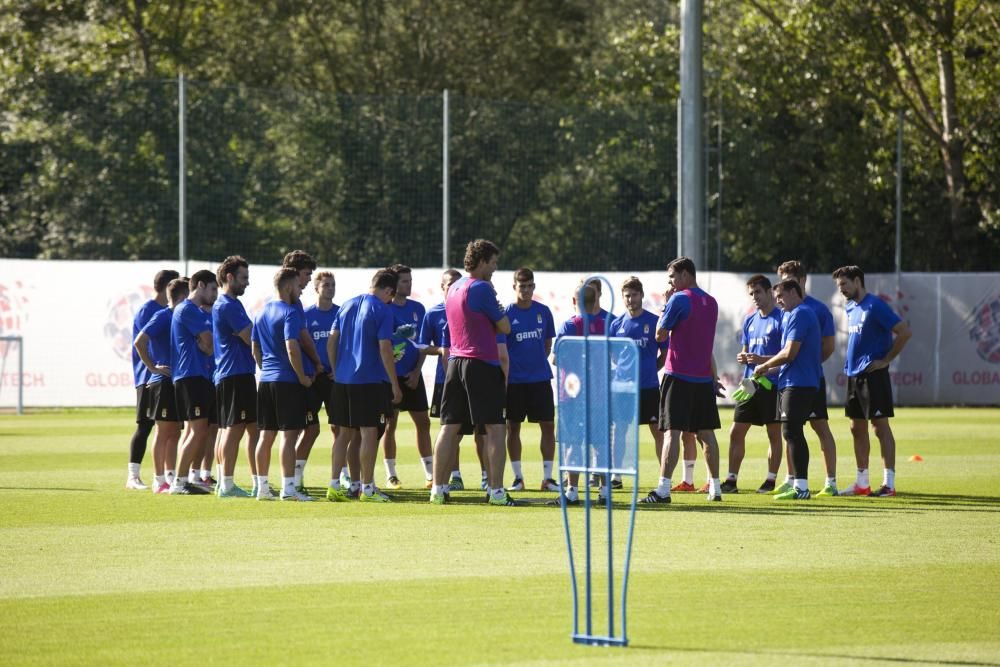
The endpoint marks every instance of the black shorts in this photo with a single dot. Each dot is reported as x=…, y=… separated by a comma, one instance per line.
x=143, y=406
x=414, y=400
x=532, y=400
x=467, y=429
x=687, y=406
x=869, y=395
x=163, y=402
x=649, y=405
x=361, y=405
x=236, y=398
x=761, y=409
x=281, y=406
x=318, y=394
x=474, y=392
x=795, y=403
x=195, y=399
x=818, y=410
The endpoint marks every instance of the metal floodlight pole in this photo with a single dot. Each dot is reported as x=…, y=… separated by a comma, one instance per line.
x=181, y=175
x=444, y=183
x=690, y=163
x=899, y=193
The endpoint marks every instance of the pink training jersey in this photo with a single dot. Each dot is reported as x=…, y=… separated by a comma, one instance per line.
x=471, y=308
x=692, y=337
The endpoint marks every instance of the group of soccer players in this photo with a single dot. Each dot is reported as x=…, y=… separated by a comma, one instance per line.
x=201, y=363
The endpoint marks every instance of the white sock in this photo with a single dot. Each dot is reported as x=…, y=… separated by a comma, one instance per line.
x=369, y=490
x=192, y=475
x=159, y=480
x=572, y=493
x=220, y=471
x=178, y=483
x=484, y=474
x=789, y=479
x=731, y=477
x=300, y=466
x=428, y=462
x=288, y=485
x=334, y=482
x=133, y=469
x=499, y=492
x=355, y=486
x=227, y=483
x=254, y=479
x=663, y=488
x=688, y=472
x=771, y=476
x=602, y=491
x=170, y=475
x=831, y=481
x=863, y=481
x=205, y=473
x=889, y=478
x=616, y=478
x=390, y=468
x=516, y=467
x=547, y=470
x=441, y=490
x=345, y=472
x=456, y=474
x=801, y=484
x=714, y=487
x=261, y=484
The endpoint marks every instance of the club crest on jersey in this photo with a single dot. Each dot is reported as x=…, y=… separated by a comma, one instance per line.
x=415, y=317
x=645, y=330
x=163, y=413
x=243, y=415
x=539, y=318
x=197, y=411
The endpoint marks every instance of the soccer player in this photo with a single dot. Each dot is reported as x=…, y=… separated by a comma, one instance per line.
x=434, y=334
x=875, y=336
x=574, y=326
x=364, y=378
x=153, y=347
x=529, y=383
x=235, y=381
x=474, y=386
x=191, y=345
x=142, y=374
x=408, y=318
x=687, y=391
x=818, y=417
x=281, y=395
x=319, y=320
x=801, y=370
x=761, y=340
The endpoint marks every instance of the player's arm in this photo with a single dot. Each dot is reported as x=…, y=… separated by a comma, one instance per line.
x=502, y=325
x=309, y=348
x=258, y=354
x=205, y=343
x=902, y=336
x=413, y=377
x=244, y=335
x=331, y=352
x=504, y=355
x=786, y=355
x=141, y=345
x=827, y=346
x=389, y=363
x=677, y=309
x=295, y=359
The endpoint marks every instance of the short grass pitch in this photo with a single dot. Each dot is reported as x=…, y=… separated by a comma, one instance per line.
x=93, y=574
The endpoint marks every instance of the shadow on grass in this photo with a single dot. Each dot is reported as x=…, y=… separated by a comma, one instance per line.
x=42, y=488
x=836, y=656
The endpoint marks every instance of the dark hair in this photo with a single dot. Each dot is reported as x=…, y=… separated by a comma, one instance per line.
x=454, y=274
x=597, y=284
x=478, y=251
x=162, y=279
x=632, y=282
x=792, y=267
x=400, y=268
x=177, y=289
x=790, y=284
x=203, y=276
x=385, y=278
x=283, y=275
x=524, y=275
x=682, y=264
x=229, y=265
x=759, y=279
x=298, y=260
x=850, y=272
x=589, y=296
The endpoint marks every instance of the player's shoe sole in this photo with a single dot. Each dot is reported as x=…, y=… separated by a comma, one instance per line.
x=235, y=492
x=377, y=497
x=883, y=492
x=189, y=489
x=855, y=490
x=136, y=484
x=729, y=486
x=793, y=494
x=654, y=498
x=456, y=484
x=550, y=485
x=335, y=495
x=785, y=486
x=767, y=486
x=518, y=485
x=503, y=501
x=393, y=483
x=827, y=491
x=683, y=487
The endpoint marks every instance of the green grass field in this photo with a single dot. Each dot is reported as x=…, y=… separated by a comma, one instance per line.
x=93, y=574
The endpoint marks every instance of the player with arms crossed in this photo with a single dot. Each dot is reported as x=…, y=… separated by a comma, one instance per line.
x=798, y=379
x=236, y=384
x=687, y=391
x=364, y=381
x=761, y=340
x=475, y=386
x=142, y=375
x=281, y=395
x=875, y=336
x=529, y=383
